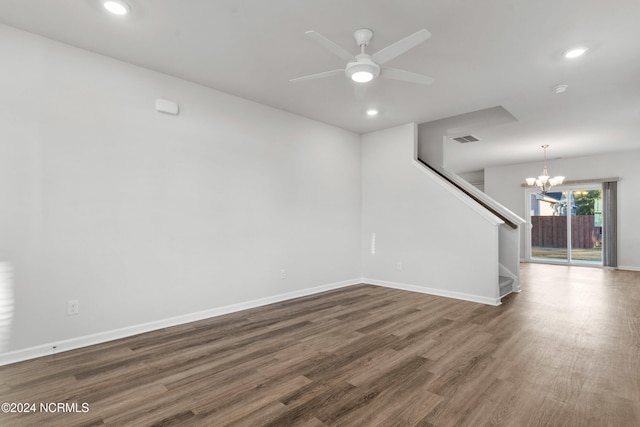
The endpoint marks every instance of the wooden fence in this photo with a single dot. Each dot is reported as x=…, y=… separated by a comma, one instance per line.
x=551, y=232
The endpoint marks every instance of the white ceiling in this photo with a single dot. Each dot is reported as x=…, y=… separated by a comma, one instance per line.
x=482, y=54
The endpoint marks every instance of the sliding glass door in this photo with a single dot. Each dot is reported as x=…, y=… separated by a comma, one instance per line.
x=586, y=226
x=549, y=227
x=566, y=225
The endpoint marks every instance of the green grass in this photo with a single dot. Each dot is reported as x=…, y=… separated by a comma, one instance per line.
x=594, y=254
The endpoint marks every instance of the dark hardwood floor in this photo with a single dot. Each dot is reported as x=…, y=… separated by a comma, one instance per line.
x=564, y=352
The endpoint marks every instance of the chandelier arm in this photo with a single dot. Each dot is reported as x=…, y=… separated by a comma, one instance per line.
x=544, y=185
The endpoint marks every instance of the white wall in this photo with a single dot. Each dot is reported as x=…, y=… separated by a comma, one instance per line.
x=504, y=185
x=144, y=216
x=435, y=146
x=475, y=178
x=444, y=246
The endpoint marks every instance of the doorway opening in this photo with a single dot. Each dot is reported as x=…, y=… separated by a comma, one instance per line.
x=566, y=225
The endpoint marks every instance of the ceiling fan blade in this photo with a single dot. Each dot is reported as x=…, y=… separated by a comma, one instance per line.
x=318, y=75
x=400, y=47
x=406, y=76
x=330, y=46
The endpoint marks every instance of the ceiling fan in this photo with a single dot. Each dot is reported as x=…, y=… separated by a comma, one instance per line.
x=363, y=68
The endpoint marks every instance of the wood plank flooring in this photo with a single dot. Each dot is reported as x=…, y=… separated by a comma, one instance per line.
x=564, y=352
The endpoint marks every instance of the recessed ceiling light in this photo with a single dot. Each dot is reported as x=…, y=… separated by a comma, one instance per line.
x=575, y=52
x=560, y=88
x=116, y=7
x=372, y=112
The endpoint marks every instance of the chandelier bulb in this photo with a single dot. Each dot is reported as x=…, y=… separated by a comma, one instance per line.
x=544, y=182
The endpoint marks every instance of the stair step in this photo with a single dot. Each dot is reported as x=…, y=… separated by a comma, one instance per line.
x=506, y=285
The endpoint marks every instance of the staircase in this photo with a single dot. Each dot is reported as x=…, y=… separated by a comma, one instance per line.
x=509, y=231
x=431, y=151
x=506, y=285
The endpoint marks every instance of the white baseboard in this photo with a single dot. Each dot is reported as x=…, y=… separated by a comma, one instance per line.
x=102, y=337
x=628, y=267
x=433, y=291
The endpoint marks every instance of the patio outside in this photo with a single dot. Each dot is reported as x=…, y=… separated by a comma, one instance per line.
x=549, y=235
x=587, y=254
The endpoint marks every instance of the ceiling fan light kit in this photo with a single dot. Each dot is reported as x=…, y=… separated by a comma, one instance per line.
x=363, y=68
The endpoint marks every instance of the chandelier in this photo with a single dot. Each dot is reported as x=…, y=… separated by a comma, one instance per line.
x=544, y=182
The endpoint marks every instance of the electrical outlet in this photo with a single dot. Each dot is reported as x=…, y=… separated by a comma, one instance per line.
x=283, y=273
x=399, y=265
x=73, y=307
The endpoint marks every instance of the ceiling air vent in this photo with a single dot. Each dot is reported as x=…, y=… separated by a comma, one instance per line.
x=465, y=139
